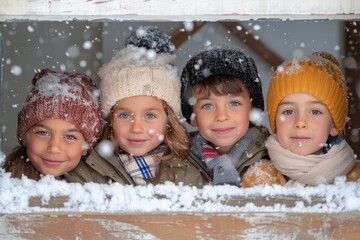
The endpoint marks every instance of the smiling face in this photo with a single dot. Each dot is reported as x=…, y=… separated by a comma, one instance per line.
x=139, y=124
x=303, y=124
x=222, y=119
x=54, y=146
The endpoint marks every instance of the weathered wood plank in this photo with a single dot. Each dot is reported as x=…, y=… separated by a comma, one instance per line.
x=178, y=10
x=286, y=201
x=181, y=226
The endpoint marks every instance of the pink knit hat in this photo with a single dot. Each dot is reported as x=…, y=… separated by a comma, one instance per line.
x=69, y=96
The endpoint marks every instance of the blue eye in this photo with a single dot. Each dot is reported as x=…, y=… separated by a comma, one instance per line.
x=42, y=133
x=124, y=115
x=150, y=116
x=70, y=137
x=234, y=104
x=207, y=106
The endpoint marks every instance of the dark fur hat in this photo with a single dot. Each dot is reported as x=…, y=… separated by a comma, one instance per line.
x=220, y=61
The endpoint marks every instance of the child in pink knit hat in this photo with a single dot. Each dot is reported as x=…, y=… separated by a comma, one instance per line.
x=58, y=124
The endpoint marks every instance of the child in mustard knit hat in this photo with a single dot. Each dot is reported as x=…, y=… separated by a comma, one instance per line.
x=307, y=106
x=140, y=100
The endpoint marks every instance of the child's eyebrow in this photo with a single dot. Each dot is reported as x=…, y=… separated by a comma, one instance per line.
x=74, y=129
x=129, y=110
x=311, y=102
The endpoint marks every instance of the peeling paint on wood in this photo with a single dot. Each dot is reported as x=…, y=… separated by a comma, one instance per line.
x=178, y=10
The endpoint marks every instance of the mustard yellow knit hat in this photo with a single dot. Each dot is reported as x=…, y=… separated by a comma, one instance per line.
x=318, y=75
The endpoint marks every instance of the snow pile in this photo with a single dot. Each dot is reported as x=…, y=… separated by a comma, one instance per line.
x=15, y=195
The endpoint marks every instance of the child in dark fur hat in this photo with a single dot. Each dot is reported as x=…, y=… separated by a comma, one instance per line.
x=220, y=89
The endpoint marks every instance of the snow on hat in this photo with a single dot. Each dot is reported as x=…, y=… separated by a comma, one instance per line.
x=217, y=61
x=145, y=67
x=69, y=96
x=318, y=75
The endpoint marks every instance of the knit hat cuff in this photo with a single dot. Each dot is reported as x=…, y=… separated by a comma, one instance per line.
x=85, y=117
x=161, y=82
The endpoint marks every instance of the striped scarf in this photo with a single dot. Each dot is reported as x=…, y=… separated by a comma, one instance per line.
x=141, y=168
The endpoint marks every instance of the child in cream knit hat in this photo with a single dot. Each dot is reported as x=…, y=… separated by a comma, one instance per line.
x=140, y=100
x=307, y=106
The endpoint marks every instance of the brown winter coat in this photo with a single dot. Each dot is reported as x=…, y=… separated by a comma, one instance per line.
x=100, y=170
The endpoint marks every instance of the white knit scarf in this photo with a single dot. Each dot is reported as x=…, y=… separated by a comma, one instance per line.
x=311, y=169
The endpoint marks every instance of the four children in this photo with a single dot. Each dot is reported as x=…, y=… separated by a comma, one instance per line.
x=220, y=87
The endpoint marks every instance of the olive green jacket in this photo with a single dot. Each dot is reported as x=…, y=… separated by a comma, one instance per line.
x=104, y=170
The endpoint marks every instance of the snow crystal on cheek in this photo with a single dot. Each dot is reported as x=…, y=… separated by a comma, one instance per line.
x=282, y=117
x=160, y=137
x=151, y=131
x=300, y=144
x=85, y=146
x=105, y=148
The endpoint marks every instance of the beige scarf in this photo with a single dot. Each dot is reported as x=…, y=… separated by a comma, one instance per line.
x=311, y=169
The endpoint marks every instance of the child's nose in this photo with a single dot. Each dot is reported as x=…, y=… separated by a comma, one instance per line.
x=301, y=122
x=54, y=145
x=137, y=126
x=221, y=114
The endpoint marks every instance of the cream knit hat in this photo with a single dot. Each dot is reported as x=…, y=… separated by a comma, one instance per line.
x=145, y=67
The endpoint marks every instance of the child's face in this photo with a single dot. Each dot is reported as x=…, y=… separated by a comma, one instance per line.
x=139, y=124
x=303, y=124
x=222, y=120
x=54, y=146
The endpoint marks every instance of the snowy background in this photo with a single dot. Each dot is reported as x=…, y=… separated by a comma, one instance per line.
x=84, y=47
